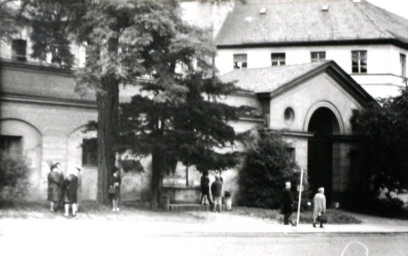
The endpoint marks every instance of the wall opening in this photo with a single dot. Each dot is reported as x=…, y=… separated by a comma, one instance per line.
x=323, y=124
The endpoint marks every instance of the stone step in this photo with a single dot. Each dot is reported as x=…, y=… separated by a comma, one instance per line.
x=189, y=207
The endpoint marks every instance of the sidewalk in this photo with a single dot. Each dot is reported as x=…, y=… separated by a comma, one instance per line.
x=226, y=223
x=144, y=222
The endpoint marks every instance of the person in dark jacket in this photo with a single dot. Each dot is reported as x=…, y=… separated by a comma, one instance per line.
x=216, y=190
x=55, y=186
x=115, y=187
x=287, y=203
x=70, y=193
x=205, y=188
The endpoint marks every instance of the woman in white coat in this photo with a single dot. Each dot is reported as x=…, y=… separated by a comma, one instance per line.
x=319, y=206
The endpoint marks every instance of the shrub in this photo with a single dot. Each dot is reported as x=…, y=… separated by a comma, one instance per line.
x=267, y=166
x=13, y=177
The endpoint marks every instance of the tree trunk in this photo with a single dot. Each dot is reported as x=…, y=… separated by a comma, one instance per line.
x=156, y=177
x=108, y=103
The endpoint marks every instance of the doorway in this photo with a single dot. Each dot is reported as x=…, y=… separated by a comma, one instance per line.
x=323, y=124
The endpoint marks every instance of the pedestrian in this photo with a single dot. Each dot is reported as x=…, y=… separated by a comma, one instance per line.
x=216, y=190
x=55, y=186
x=115, y=189
x=319, y=207
x=287, y=204
x=70, y=193
x=205, y=188
x=79, y=190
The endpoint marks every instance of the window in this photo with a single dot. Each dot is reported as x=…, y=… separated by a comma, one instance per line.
x=403, y=61
x=278, y=59
x=11, y=145
x=317, y=56
x=359, y=61
x=240, y=61
x=292, y=153
x=89, y=152
x=289, y=115
x=18, y=48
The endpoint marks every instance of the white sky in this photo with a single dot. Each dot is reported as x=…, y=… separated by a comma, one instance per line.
x=399, y=7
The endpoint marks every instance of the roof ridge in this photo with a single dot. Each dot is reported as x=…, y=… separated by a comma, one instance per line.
x=371, y=20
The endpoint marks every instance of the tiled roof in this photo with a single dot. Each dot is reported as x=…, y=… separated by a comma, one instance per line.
x=265, y=80
x=307, y=21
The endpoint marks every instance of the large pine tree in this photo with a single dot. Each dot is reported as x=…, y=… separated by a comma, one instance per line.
x=193, y=131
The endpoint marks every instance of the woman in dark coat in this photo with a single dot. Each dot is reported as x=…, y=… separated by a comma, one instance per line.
x=115, y=188
x=55, y=184
x=287, y=203
x=205, y=188
x=70, y=193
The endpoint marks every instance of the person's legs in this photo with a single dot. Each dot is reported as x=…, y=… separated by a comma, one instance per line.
x=202, y=198
x=66, y=209
x=52, y=208
x=286, y=217
x=117, y=203
x=74, y=209
x=220, y=204
x=113, y=204
x=209, y=199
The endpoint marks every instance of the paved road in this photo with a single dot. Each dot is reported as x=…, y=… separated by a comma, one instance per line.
x=65, y=237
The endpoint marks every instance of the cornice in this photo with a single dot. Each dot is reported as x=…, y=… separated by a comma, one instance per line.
x=29, y=99
x=35, y=67
x=378, y=41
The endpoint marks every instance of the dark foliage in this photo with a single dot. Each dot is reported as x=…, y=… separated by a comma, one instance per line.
x=266, y=168
x=188, y=131
x=384, y=145
x=13, y=177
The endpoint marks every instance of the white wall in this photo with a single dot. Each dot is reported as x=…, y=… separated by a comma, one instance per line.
x=383, y=61
x=306, y=98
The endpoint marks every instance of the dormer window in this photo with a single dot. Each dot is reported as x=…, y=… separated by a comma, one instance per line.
x=240, y=61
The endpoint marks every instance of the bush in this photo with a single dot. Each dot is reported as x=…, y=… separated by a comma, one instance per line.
x=13, y=177
x=267, y=166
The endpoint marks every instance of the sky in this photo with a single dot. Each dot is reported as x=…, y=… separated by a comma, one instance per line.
x=399, y=7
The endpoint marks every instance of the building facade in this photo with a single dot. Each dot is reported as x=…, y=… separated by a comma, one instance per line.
x=368, y=42
x=303, y=65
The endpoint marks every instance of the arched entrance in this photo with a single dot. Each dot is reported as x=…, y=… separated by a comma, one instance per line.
x=323, y=123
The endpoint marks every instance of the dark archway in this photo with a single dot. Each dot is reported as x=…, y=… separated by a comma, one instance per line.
x=323, y=124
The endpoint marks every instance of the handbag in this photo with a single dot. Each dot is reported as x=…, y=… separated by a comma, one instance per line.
x=111, y=190
x=322, y=218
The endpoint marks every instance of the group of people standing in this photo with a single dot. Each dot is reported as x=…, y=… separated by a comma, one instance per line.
x=216, y=191
x=319, y=206
x=63, y=191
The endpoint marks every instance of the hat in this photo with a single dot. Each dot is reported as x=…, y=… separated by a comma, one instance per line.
x=55, y=165
x=321, y=189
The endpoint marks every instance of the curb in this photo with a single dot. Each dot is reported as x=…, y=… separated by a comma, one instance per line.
x=269, y=234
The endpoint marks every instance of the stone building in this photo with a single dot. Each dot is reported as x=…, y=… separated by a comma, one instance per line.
x=304, y=65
